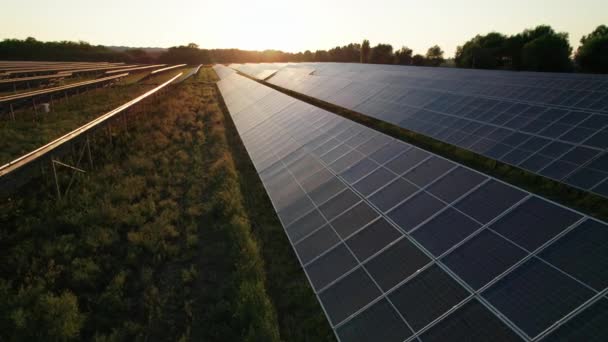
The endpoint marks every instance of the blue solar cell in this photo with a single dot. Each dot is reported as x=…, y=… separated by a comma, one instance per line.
x=482, y=258
x=582, y=253
x=535, y=296
x=427, y=296
x=392, y=194
x=415, y=210
x=444, y=231
x=534, y=222
x=380, y=322
x=473, y=323
x=591, y=325
x=396, y=263
x=330, y=266
x=490, y=200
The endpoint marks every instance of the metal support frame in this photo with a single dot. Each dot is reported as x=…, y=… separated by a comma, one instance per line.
x=76, y=168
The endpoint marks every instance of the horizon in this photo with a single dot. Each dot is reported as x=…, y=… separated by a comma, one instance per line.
x=257, y=23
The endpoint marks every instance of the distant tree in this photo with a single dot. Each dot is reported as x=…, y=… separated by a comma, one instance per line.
x=549, y=52
x=139, y=56
x=592, y=54
x=403, y=56
x=365, y=51
x=482, y=52
x=189, y=54
x=381, y=54
x=539, y=49
x=321, y=56
x=434, y=56
x=418, y=60
x=348, y=53
x=32, y=49
x=308, y=56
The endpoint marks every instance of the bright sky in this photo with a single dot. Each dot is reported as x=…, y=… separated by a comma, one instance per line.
x=291, y=25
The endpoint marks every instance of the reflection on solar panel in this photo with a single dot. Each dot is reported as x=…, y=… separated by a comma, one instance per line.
x=555, y=125
x=401, y=244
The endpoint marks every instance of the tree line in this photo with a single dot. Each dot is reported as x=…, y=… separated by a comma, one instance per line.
x=536, y=49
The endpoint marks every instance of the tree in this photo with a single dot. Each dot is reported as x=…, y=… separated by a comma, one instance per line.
x=365, y=51
x=189, y=54
x=418, y=60
x=139, y=56
x=539, y=49
x=434, y=56
x=381, y=54
x=592, y=54
x=482, y=52
x=321, y=56
x=550, y=52
x=403, y=56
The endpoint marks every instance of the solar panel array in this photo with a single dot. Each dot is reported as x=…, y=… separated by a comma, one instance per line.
x=400, y=244
x=555, y=125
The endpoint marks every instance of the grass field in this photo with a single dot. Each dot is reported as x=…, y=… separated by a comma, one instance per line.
x=170, y=237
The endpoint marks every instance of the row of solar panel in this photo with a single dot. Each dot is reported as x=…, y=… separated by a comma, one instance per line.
x=565, y=145
x=480, y=80
x=401, y=244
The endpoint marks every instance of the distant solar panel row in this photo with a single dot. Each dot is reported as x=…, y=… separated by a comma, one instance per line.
x=554, y=125
x=400, y=244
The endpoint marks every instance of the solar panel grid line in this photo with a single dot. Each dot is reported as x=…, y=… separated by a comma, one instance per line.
x=300, y=262
x=581, y=143
x=601, y=295
x=583, y=166
x=346, y=184
x=435, y=260
x=358, y=230
x=498, y=126
x=385, y=295
x=454, y=92
x=360, y=265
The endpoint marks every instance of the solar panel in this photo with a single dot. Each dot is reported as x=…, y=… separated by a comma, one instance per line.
x=401, y=244
x=554, y=125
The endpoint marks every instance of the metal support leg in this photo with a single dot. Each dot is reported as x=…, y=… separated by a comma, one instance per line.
x=56, y=180
x=89, y=152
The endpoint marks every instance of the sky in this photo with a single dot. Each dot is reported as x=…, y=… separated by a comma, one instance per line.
x=292, y=25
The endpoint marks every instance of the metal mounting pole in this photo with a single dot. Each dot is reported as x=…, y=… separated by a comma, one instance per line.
x=56, y=180
x=89, y=152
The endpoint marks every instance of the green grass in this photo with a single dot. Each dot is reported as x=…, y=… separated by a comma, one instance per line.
x=583, y=201
x=154, y=244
